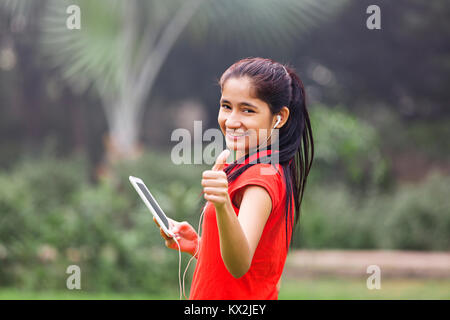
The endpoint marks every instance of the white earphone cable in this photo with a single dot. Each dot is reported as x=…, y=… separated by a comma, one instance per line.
x=197, y=249
x=179, y=265
x=182, y=286
x=264, y=144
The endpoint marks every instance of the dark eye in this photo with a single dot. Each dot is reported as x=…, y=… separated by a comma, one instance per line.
x=249, y=111
x=225, y=106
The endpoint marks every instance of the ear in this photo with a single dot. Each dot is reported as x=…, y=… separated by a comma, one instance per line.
x=284, y=115
x=278, y=121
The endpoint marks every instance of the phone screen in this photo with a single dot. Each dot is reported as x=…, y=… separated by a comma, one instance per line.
x=153, y=203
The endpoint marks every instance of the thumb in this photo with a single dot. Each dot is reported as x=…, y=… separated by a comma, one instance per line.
x=221, y=160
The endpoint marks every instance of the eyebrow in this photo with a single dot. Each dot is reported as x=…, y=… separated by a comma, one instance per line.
x=243, y=103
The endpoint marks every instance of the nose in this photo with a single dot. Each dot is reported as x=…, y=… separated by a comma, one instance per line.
x=233, y=121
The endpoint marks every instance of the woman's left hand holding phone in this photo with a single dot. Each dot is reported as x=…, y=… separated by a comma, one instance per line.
x=185, y=235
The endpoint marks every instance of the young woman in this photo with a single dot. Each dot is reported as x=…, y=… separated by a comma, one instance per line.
x=250, y=214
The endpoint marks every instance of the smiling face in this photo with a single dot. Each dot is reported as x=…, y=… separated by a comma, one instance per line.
x=245, y=121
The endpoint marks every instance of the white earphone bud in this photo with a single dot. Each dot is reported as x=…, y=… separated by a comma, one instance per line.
x=271, y=131
x=278, y=121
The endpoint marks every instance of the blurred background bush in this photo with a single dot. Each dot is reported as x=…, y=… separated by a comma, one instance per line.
x=82, y=110
x=53, y=216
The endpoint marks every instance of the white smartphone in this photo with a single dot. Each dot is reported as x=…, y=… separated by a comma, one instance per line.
x=152, y=205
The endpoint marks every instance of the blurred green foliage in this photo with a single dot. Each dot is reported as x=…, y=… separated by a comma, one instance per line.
x=346, y=149
x=53, y=216
x=412, y=217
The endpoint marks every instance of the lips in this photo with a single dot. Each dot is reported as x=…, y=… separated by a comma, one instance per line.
x=235, y=136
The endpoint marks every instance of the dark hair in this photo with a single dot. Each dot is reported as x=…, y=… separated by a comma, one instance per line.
x=278, y=85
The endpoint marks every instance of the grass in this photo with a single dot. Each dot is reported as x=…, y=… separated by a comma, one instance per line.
x=342, y=289
x=14, y=294
x=298, y=289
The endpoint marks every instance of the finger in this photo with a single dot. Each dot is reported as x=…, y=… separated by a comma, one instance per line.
x=221, y=160
x=215, y=191
x=213, y=198
x=210, y=174
x=163, y=234
x=171, y=244
x=172, y=222
x=214, y=183
x=154, y=219
x=182, y=226
x=175, y=229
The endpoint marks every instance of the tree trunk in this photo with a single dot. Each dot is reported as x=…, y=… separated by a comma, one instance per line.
x=122, y=140
x=124, y=112
x=124, y=127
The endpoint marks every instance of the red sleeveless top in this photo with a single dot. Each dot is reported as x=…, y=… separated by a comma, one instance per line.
x=212, y=280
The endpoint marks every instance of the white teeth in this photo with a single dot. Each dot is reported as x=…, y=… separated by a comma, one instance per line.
x=236, y=134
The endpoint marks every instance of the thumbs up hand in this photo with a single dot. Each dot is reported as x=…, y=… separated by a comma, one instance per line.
x=215, y=182
x=221, y=160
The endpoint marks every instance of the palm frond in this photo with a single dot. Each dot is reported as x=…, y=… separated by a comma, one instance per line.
x=261, y=22
x=96, y=54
